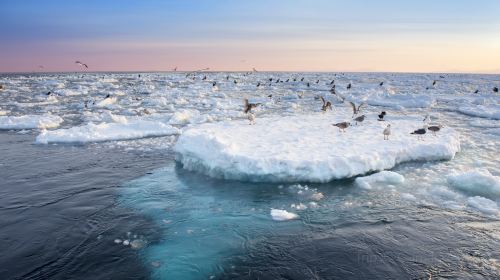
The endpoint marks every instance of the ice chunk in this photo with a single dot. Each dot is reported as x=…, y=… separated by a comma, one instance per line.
x=484, y=205
x=384, y=177
x=477, y=182
x=30, y=121
x=307, y=148
x=187, y=116
x=283, y=215
x=132, y=129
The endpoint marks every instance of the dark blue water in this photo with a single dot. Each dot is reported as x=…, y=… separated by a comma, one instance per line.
x=63, y=206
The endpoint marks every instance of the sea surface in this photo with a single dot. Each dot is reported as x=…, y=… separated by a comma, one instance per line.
x=125, y=209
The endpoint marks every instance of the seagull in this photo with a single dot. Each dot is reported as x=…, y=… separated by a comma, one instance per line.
x=349, y=86
x=359, y=119
x=495, y=89
x=249, y=106
x=1, y=87
x=381, y=116
x=308, y=85
x=381, y=84
x=81, y=64
x=477, y=91
x=420, y=132
x=342, y=126
x=49, y=93
x=435, y=128
x=434, y=83
x=287, y=80
x=251, y=118
x=204, y=78
x=254, y=70
x=332, y=90
x=302, y=79
x=355, y=110
x=317, y=81
x=332, y=82
x=175, y=69
x=387, y=132
x=235, y=82
x=258, y=84
x=270, y=79
x=214, y=84
x=326, y=105
x=441, y=77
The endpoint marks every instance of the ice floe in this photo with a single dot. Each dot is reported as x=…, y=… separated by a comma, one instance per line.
x=307, y=148
x=30, y=121
x=382, y=177
x=484, y=205
x=283, y=215
x=91, y=132
x=478, y=182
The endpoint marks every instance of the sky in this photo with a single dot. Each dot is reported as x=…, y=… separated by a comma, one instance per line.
x=270, y=35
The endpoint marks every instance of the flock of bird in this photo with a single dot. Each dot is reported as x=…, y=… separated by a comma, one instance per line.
x=326, y=105
x=342, y=126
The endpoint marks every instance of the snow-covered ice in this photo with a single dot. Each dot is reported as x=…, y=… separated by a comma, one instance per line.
x=30, y=121
x=107, y=131
x=484, y=205
x=307, y=147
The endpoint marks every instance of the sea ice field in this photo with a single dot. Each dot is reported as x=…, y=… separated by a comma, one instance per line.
x=163, y=176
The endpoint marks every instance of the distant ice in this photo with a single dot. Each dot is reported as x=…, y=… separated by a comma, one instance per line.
x=30, y=121
x=307, y=148
x=123, y=130
x=283, y=215
x=385, y=177
x=477, y=182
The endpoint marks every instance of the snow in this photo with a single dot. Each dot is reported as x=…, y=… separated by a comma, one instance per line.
x=107, y=131
x=283, y=215
x=307, y=147
x=186, y=116
x=477, y=182
x=385, y=177
x=484, y=205
x=30, y=121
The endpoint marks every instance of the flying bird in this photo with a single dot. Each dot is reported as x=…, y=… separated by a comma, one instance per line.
x=249, y=106
x=387, y=132
x=355, y=110
x=81, y=64
x=342, y=126
x=175, y=69
x=326, y=105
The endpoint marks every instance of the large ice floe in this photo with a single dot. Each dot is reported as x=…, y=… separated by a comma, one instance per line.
x=92, y=132
x=30, y=121
x=307, y=147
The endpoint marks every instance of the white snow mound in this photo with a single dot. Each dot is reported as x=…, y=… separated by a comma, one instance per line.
x=384, y=177
x=106, y=132
x=30, y=121
x=477, y=182
x=283, y=215
x=307, y=148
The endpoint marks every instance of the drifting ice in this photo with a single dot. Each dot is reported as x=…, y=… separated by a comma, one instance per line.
x=307, y=148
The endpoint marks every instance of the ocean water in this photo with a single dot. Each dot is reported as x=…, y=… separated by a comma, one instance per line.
x=124, y=209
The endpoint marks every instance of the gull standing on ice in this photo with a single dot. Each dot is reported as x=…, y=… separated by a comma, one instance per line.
x=381, y=116
x=387, y=132
x=420, y=132
x=435, y=128
x=359, y=119
x=342, y=126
